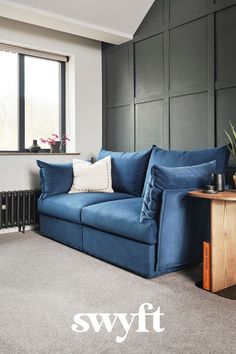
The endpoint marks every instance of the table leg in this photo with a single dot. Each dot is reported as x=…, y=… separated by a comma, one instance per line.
x=223, y=244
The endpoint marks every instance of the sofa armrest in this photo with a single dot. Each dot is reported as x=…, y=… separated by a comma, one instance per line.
x=184, y=225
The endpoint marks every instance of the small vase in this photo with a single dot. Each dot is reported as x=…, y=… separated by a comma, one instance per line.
x=34, y=147
x=55, y=148
x=234, y=178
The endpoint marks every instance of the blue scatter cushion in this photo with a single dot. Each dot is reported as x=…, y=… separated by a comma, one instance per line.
x=128, y=170
x=163, y=178
x=55, y=178
x=173, y=158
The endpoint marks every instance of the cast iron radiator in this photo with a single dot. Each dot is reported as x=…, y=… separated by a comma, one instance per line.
x=18, y=209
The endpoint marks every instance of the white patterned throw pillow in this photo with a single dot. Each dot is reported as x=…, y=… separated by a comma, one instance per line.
x=90, y=177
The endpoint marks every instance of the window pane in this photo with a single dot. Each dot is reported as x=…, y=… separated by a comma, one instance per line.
x=41, y=99
x=8, y=101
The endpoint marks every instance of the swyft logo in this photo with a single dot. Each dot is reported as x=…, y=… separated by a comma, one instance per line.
x=84, y=321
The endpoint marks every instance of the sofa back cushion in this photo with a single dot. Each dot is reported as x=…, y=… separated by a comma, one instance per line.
x=55, y=178
x=128, y=170
x=163, y=178
x=173, y=158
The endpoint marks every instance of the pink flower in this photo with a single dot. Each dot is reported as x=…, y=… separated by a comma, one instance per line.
x=54, y=137
x=51, y=141
x=43, y=141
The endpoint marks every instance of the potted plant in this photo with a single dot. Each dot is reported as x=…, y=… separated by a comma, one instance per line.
x=232, y=146
x=55, y=142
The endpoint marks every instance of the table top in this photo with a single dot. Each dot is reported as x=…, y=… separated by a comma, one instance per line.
x=224, y=196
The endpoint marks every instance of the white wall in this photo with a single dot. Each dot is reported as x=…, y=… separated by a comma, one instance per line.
x=19, y=173
x=84, y=96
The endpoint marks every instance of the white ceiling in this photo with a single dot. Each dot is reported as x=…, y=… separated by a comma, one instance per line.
x=113, y=21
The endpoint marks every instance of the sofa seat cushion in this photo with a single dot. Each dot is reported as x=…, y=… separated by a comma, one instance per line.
x=68, y=206
x=121, y=217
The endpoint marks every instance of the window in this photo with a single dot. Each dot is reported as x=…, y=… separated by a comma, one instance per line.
x=32, y=99
x=8, y=101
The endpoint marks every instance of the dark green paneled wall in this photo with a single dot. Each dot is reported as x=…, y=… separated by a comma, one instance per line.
x=174, y=85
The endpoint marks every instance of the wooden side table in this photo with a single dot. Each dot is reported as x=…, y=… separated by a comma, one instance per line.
x=223, y=238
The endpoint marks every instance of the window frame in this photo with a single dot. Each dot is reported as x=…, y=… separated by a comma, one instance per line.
x=21, y=104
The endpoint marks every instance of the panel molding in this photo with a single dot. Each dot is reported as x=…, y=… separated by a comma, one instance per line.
x=118, y=103
x=150, y=98
x=166, y=113
x=217, y=6
x=132, y=93
x=189, y=90
x=104, y=101
x=225, y=83
x=211, y=81
x=195, y=15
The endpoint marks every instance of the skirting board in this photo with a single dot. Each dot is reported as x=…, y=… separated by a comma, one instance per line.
x=15, y=229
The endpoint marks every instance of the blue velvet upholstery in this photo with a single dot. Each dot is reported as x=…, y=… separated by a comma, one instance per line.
x=107, y=225
x=162, y=178
x=121, y=217
x=151, y=202
x=128, y=170
x=55, y=178
x=135, y=256
x=63, y=231
x=172, y=158
x=184, y=225
x=179, y=241
x=69, y=206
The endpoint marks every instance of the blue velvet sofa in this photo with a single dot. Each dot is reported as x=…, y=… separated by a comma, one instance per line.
x=107, y=225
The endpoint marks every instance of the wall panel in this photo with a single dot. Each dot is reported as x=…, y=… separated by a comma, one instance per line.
x=180, y=8
x=182, y=77
x=117, y=75
x=225, y=44
x=119, y=129
x=188, y=55
x=149, y=124
x=226, y=110
x=149, y=67
x=188, y=117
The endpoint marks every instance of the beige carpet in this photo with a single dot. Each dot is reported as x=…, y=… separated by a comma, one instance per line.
x=43, y=284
